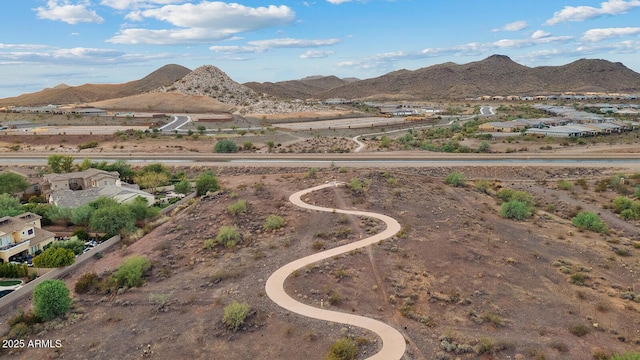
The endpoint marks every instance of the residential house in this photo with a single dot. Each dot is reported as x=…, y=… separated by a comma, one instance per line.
x=506, y=126
x=90, y=178
x=22, y=236
x=32, y=177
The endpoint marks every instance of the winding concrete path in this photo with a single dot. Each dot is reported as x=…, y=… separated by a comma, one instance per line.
x=393, y=343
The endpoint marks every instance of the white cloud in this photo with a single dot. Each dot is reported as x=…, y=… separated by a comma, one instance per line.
x=222, y=15
x=202, y=22
x=338, y=2
x=292, y=43
x=137, y=4
x=514, y=26
x=316, y=54
x=67, y=12
x=77, y=56
x=539, y=34
x=581, y=13
x=605, y=33
x=264, y=45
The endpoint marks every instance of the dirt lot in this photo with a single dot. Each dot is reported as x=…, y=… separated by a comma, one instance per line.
x=458, y=272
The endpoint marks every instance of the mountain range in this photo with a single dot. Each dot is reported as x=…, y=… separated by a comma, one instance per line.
x=495, y=75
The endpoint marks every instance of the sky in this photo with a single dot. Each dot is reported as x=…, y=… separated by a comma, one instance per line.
x=44, y=43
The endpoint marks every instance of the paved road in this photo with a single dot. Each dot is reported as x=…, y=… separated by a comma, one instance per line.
x=486, y=111
x=177, y=123
x=393, y=342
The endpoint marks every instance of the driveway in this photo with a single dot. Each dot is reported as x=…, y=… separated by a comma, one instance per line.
x=393, y=342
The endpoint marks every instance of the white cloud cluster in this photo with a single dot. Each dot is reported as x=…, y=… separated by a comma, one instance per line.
x=67, y=12
x=513, y=26
x=202, y=22
x=581, y=13
x=264, y=45
x=595, y=35
x=316, y=54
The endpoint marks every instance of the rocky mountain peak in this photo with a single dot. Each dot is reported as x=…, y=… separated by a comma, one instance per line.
x=209, y=80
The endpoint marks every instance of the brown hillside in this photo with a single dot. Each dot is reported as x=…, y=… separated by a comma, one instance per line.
x=97, y=92
x=164, y=102
x=496, y=75
x=298, y=89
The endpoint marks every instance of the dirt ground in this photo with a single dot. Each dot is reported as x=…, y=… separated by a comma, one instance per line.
x=457, y=273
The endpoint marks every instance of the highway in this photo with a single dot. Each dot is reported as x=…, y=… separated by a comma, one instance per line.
x=373, y=159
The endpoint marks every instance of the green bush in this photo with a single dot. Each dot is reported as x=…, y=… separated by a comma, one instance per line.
x=54, y=257
x=579, y=330
x=183, y=187
x=240, y=207
x=455, y=178
x=206, y=182
x=515, y=209
x=131, y=272
x=228, y=236
x=626, y=356
x=51, y=299
x=587, y=220
x=226, y=146
x=273, y=222
x=235, y=314
x=77, y=245
x=565, y=185
x=343, y=349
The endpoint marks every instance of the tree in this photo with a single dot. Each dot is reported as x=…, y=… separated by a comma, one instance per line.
x=207, y=181
x=131, y=272
x=77, y=245
x=60, y=163
x=140, y=209
x=82, y=214
x=151, y=180
x=9, y=205
x=11, y=183
x=183, y=187
x=226, y=146
x=587, y=220
x=54, y=257
x=85, y=164
x=112, y=220
x=235, y=314
x=51, y=298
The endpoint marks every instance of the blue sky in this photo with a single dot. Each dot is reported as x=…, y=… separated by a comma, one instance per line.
x=48, y=42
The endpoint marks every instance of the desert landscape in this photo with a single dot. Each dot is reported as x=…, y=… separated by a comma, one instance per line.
x=491, y=260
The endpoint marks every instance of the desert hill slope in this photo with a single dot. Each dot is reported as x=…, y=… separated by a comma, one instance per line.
x=64, y=94
x=496, y=75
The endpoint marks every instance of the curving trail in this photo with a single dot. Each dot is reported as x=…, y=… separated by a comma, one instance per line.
x=393, y=343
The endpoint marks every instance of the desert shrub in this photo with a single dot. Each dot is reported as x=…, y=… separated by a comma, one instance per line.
x=183, y=187
x=515, y=209
x=235, y=314
x=565, y=185
x=579, y=330
x=455, y=178
x=228, y=236
x=312, y=173
x=131, y=272
x=273, y=222
x=54, y=257
x=51, y=299
x=621, y=203
x=343, y=349
x=240, y=207
x=88, y=282
x=358, y=186
x=626, y=356
x=483, y=186
x=206, y=182
x=587, y=220
x=226, y=146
